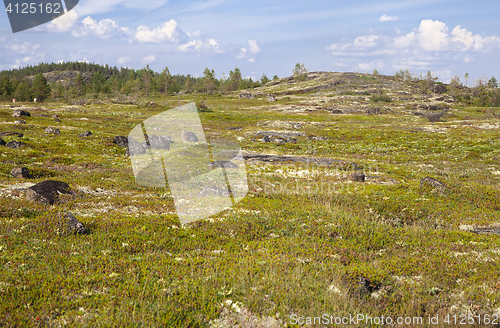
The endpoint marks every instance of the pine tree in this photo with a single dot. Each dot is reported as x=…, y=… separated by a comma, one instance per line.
x=40, y=89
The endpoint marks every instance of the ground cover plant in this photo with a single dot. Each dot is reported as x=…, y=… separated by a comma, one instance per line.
x=306, y=241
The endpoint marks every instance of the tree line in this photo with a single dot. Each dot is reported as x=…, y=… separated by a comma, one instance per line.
x=24, y=84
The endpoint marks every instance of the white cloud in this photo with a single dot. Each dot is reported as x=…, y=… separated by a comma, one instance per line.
x=433, y=35
x=213, y=45
x=21, y=48
x=191, y=45
x=253, y=47
x=428, y=46
x=167, y=32
x=149, y=59
x=385, y=18
x=366, y=41
x=104, y=29
x=123, y=60
x=63, y=23
x=242, y=53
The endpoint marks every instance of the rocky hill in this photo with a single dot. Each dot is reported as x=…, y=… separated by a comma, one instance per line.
x=67, y=78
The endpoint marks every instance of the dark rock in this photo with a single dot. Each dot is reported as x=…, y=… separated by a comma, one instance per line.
x=52, y=131
x=336, y=111
x=187, y=136
x=14, y=144
x=57, y=120
x=357, y=176
x=19, y=113
x=47, y=192
x=213, y=191
x=223, y=164
x=433, y=107
x=238, y=128
x=433, y=183
x=11, y=134
x=85, y=134
x=423, y=107
x=120, y=141
x=2, y=142
x=55, y=116
x=440, y=88
x=74, y=226
x=135, y=148
x=156, y=142
x=365, y=285
x=20, y=122
x=20, y=172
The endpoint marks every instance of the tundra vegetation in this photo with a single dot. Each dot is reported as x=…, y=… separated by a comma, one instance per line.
x=306, y=240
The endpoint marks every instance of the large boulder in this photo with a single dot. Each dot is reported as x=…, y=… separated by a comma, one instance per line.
x=73, y=226
x=135, y=148
x=19, y=113
x=85, y=134
x=20, y=172
x=162, y=142
x=47, y=192
x=121, y=141
x=187, y=136
x=14, y=144
x=440, y=88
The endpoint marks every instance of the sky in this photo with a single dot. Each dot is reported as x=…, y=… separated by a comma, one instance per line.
x=446, y=37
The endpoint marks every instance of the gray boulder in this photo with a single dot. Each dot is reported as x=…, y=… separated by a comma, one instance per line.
x=187, y=136
x=74, y=226
x=271, y=98
x=47, y=192
x=121, y=141
x=156, y=142
x=135, y=148
x=52, y=131
x=55, y=116
x=19, y=113
x=20, y=172
x=85, y=134
x=14, y=144
x=20, y=122
x=223, y=164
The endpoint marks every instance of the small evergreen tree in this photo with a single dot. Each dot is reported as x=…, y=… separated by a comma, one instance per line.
x=40, y=89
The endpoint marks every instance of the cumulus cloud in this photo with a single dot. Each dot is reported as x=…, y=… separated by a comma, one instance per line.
x=385, y=18
x=149, y=59
x=167, y=32
x=253, y=48
x=20, y=47
x=430, y=44
x=191, y=45
x=104, y=29
x=63, y=23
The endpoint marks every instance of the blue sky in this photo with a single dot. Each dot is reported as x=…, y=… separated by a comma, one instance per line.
x=446, y=37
